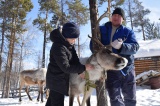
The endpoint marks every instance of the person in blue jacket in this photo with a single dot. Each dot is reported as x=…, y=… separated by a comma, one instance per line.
x=124, y=43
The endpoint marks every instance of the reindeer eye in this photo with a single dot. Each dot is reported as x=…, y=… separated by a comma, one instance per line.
x=107, y=51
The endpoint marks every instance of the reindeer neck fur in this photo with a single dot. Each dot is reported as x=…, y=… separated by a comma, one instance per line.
x=96, y=73
x=77, y=84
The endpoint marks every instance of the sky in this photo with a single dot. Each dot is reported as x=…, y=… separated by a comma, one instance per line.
x=153, y=6
x=85, y=30
x=154, y=16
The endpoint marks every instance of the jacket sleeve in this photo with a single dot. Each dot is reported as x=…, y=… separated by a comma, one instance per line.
x=62, y=61
x=75, y=57
x=130, y=45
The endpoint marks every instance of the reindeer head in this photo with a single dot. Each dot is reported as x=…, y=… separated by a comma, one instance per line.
x=107, y=59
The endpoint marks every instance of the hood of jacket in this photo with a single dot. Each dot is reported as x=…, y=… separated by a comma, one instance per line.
x=57, y=37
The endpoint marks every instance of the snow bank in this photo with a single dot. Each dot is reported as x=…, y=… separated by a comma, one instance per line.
x=147, y=74
x=148, y=48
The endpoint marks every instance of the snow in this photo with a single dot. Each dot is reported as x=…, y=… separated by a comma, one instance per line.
x=148, y=97
x=145, y=97
x=148, y=48
x=147, y=73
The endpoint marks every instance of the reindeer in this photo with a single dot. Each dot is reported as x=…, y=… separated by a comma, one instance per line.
x=33, y=77
x=102, y=60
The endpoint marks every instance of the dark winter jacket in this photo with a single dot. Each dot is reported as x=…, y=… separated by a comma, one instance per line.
x=63, y=61
x=129, y=47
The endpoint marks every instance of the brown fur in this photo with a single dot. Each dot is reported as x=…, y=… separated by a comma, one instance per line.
x=33, y=77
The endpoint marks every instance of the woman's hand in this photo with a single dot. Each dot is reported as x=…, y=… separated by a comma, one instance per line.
x=89, y=67
x=82, y=75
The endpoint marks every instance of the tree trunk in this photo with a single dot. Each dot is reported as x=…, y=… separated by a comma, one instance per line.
x=130, y=14
x=3, y=86
x=101, y=92
x=2, y=44
x=62, y=17
x=44, y=42
x=144, y=38
x=109, y=9
x=3, y=34
x=79, y=54
x=79, y=51
x=9, y=65
x=1, y=51
x=44, y=46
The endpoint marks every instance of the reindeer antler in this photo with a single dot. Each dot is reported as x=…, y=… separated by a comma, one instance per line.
x=96, y=40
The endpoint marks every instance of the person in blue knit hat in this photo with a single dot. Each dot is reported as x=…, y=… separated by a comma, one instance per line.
x=70, y=30
x=124, y=43
x=63, y=61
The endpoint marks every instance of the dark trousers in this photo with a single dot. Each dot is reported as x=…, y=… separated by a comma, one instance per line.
x=118, y=85
x=55, y=99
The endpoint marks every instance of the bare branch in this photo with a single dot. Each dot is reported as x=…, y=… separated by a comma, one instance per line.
x=100, y=18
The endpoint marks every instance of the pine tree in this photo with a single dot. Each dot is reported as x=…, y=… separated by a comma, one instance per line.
x=16, y=13
x=139, y=19
x=78, y=13
x=130, y=8
x=152, y=31
x=71, y=10
x=42, y=24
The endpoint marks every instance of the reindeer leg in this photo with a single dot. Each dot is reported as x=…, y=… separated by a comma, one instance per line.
x=27, y=91
x=38, y=95
x=71, y=99
x=20, y=88
x=88, y=102
x=78, y=100
x=41, y=90
x=86, y=95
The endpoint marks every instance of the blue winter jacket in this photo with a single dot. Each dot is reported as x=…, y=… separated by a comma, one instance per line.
x=129, y=47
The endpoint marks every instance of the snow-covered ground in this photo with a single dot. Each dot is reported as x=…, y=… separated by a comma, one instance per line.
x=145, y=97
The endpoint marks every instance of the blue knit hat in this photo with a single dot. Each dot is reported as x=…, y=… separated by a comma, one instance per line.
x=70, y=30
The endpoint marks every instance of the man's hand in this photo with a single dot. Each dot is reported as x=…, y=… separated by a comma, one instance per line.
x=117, y=43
